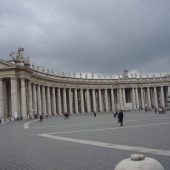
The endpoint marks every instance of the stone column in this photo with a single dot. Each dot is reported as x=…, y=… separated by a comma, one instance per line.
x=14, y=94
x=35, y=99
x=30, y=99
x=168, y=97
x=70, y=101
x=1, y=101
x=88, y=101
x=155, y=97
x=64, y=101
x=59, y=101
x=94, y=100
x=23, y=99
x=137, y=98
x=48, y=101
x=168, y=90
x=39, y=100
x=149, y=97
x=82, y=100
x=75, y=100
x=53, y=101
x=142, y=99
x=120, y=99
x=124, y=97
x=133, y=98
x=106, y=100
x=100, y=101
x=44, y=101
x=162, y=97
x=112, y=100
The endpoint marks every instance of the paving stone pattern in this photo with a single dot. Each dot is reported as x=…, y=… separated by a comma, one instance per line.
x=23, y=149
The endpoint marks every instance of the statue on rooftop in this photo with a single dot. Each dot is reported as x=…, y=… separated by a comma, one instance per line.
x=125, y=74
x=12, y=54
x=92, y=76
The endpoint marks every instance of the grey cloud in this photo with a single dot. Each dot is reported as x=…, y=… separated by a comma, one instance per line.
x=89, y=36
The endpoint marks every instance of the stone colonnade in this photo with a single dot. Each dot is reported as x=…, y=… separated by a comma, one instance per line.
x=23, y=97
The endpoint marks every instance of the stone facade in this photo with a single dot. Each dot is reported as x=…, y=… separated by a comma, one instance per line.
x=25, y=91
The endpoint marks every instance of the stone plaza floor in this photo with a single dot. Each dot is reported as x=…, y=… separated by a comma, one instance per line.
x=84, y=142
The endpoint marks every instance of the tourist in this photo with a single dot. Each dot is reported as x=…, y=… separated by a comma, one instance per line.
x=41, y=118
x=160, y=110
x=115, y=114
x=94, y=114
x=66, y=115
x=120, y=118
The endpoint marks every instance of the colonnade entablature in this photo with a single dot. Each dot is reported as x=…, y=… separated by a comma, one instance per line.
x=26, y=91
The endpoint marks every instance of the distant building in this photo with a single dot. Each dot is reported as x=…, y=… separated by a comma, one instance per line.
x=25, y=90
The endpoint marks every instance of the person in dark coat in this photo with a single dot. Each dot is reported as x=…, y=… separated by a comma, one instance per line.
x=120, y=118
x=66, y=115
x=41, y=118
x=94, y=114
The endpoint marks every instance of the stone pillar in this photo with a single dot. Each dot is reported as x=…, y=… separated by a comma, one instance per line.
x=48, y=101
x=94, y=100
x=149, y=97
x=34, y=99
x=162, y=97
x=64, y=101
x=100, y=101
x=88, y=101
x=1, y=101
x=14, y=94
x=53, y=101
x=23, y=99
x=59, y=101
x=120, y=99
x=168, y=90
x=76, y=101
x=142, y=99
x=82, y=100
x=112, y=100
x=70, y=101
x=44, y=108
x=124, y=97
x=137, y=99
x=106, y=100
x=39, y=100
x=133, y=98
x=30, y=99
x=155, y=97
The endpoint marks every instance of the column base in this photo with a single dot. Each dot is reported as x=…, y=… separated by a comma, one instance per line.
x=2, y=121
x=12, y=119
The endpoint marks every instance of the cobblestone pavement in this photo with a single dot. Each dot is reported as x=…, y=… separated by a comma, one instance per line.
x=24, y=149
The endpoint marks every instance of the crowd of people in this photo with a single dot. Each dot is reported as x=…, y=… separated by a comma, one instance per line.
x=117, y=114
x=160, y=110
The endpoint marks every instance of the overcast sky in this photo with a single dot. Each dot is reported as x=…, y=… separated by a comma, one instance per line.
x=97, y=36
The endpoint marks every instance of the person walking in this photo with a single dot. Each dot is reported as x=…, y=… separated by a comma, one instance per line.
x=120, y=118
x=41, y=118
x=94, y=114
x=115, y=114
x=66, y=115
